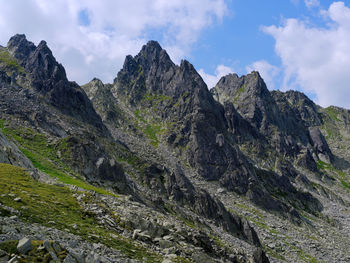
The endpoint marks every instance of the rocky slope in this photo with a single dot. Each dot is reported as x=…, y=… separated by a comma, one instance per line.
x=154, y=167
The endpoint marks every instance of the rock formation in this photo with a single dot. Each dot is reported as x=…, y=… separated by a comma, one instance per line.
x=154, y=167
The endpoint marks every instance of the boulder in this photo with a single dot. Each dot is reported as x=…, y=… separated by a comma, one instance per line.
x=24, y=245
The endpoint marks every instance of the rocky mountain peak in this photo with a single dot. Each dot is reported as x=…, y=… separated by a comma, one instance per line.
x=130, y=65
x=186, y=66
x=196, y=179
x=250, y=97
x=44, y=49
x=305, y=109
x=151, y=46
x=93, y=87
x=20, y=47
x=231, y=85
x=153, y=58
x=46, y=81
x=97, y=82
x=37, y=60
x=149, y=71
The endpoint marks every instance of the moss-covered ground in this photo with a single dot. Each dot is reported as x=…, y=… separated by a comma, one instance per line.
x=35, y=255
x=44, y=155
x=8, y=61
x=52, y=205
x=343, y=178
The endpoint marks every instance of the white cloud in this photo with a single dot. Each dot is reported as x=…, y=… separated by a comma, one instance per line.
x=267, y=71
x=212, y=80
x=317, y=59
x=312, y=3
x=113, y=30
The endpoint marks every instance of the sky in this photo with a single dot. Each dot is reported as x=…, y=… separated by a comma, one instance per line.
x=295, y=44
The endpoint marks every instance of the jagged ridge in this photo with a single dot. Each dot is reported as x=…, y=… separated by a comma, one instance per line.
x=183, y=153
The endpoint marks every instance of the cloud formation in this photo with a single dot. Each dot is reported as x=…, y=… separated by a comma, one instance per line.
x=312, y=3
x=212, y=80
x=92, y=38
x=317, y=59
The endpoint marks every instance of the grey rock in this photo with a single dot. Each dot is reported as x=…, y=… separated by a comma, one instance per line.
x=135, y=233
x=165, y=243
x=79, y=257
x=93, y=258
x=13, y=259
x=50, y=77
x=260, y=256
x=9, y=153
x=251, y=153
x=201, y=257
x=56, y=246
x=69, y=259
x=51, y=250
x=319, y=142
x=4, y=257
x=24, y=245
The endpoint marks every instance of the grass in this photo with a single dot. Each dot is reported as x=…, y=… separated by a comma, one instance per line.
x=218, y=242
x=331, y=122
x=239, y=92
x=138, y=116
x=322, y=165
x=273, y=253
x=10, y=246
x=155, y=99
x=188, y=221
x=305, y=257
x=345, y=184
x=35, y=255
x=4, y=212
x=44, y=157
x=150, y=129
x=10, y=62
x=182, y=100
x=332, y=131
x=42, y=203
x=179, y=259
x=342, y=177
x=332, y=113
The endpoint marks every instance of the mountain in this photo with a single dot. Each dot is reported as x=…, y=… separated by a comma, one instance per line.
x=154, y=167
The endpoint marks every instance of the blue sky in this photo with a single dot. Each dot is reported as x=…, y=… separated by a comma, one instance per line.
x=294, y=44
x=240, y=40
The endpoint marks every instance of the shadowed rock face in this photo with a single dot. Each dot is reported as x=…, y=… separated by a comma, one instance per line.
x=39, y=61
x=104, y=102
x=282, y=118
x=211, y=150
x=49, y=78
x=207, y=130
x=191, y=106
x=152, y=72
x=89, y=153
x=9, y=153
x=181, y=148
x=303, y=107
x=182, y=190
x=250, y=97
x=42, y=98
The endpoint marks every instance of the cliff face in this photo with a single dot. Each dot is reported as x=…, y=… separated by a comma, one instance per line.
x=167, y=167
